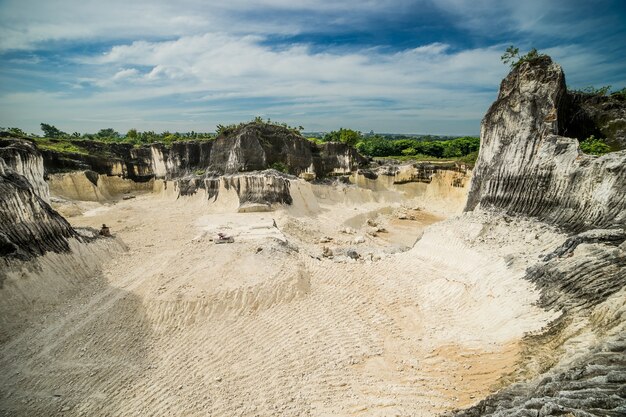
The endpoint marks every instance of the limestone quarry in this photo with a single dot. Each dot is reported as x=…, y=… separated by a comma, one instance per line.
x=349, y=288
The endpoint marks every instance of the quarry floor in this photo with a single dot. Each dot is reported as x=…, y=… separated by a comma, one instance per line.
x=178, y=325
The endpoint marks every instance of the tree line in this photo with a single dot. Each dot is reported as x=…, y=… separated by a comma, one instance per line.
x=397, y=145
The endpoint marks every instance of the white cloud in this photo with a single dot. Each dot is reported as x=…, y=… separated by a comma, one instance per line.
x=125, y=73
x=217, y=74
x=196, y=63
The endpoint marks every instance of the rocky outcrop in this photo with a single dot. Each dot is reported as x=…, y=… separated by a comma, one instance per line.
x=251, y=191
x=577, y=366
x=423, y=172
x=251, y=147
x=23, y=158
x=89, y=186
x=525, y=167
x=28, y=225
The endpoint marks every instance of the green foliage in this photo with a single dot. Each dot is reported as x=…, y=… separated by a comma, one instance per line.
x=50, y=131
x=199, y=172
x=591, y=90
x=317, y=141
x=470, y=158
x=108, y=133
x=62, y=145
x=15, y=131
x=621, y=94
x=378, y=146
x=594, y=146
x=347, y=136
x=279, y=166
x=222, y=130
x=512, y=57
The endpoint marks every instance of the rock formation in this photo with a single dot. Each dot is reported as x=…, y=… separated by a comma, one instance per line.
x=525, y=167
x=28, y=225
x=251, y=147
x=253, y=191
x=23, y=157
x=577, y=366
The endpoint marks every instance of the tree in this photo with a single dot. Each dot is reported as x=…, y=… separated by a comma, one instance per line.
x=510, y=56
x=132, y=134
x=347, y=136
x=107, y=133
x=50, y=131
x=16, y=131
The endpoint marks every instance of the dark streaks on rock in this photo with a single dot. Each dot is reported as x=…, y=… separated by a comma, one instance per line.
x=251, y=147
x=525, y=168
x=29, y=227
x=576, y=366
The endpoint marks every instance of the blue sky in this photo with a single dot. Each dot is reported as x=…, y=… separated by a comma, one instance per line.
x=423, y=66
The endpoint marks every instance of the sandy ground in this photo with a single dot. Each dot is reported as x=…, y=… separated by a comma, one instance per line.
x=178, y=325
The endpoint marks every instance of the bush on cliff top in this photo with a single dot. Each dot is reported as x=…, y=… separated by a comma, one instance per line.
x=512, y=57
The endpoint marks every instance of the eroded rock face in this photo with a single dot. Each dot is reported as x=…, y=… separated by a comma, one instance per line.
x=577, y=366
x=254, y=191
x=24, y=159
x=29, y=227
x=250, y=148
x=525, y=167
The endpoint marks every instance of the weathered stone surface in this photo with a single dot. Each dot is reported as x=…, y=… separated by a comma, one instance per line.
x=525, y=167
x=24, y=159
x=414, y=172
x=28, y=225
x=575, y=366
x=252, y=147
x=260, y=187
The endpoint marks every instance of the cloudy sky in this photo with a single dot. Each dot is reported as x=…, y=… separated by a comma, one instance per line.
x=421, y=66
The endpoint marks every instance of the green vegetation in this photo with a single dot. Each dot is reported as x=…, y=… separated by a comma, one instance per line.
x=409, y=147
x=50, y=131
x=512, y=57
x=621, y=94
x=347, y=136
x=232, y=128
x=601, y=91
x=57, y=140
x=377, y=146
x=591, y=90
x=279, y=166
x=594, y=146
x=60, y=145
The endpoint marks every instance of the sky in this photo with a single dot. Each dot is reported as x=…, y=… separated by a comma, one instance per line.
x=398, y=66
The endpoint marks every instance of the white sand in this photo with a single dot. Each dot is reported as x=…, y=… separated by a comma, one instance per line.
x=178, y=325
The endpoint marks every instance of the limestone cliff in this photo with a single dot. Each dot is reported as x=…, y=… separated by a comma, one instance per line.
x=28, y=225
x=577, y=366
x=525, y=167
x=251, y=147
x=24, y=158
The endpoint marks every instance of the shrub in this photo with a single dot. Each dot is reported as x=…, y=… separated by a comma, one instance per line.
x=279, y=166
x=594, y=146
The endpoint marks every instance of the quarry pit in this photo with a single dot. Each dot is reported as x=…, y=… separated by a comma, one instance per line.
x=403, y=290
